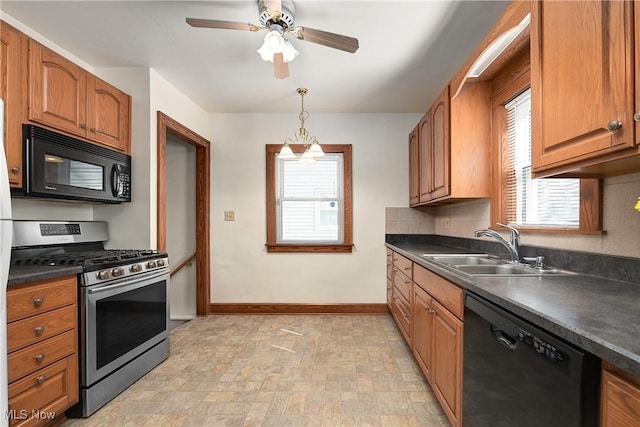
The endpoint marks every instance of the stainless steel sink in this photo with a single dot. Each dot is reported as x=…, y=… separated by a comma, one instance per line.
x=466, y=259
x=509, y=270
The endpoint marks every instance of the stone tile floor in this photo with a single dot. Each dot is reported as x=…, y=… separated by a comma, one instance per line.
x=279, y=370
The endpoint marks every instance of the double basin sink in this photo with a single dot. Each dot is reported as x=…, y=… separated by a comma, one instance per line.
x=486, y=265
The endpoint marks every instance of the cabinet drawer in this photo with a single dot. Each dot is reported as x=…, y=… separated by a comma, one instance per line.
x=402, y=313
x=45, y=392
x=34, y=357
x=37, y=298
x=448, y=294
x=403, y=264
x=402, y=283
x=37, y=328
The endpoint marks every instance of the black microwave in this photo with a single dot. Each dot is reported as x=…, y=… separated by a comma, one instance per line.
x=58, y=166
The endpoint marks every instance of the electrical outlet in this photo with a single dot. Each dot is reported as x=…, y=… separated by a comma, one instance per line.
x=229, y=215
x=447, y=223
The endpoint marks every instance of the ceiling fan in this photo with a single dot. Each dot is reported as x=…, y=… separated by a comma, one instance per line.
x=278, y=18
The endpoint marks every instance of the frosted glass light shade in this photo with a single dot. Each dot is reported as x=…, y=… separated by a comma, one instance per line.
x=286, y=153
x=289, y=52
x=316, y=150
x=307, y=157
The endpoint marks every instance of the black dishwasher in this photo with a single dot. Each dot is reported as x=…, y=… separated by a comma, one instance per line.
x=516, y=374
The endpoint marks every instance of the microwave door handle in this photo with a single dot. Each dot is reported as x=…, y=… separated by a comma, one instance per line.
x=115, y=180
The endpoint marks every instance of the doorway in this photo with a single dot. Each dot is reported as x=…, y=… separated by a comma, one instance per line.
x=170, y=129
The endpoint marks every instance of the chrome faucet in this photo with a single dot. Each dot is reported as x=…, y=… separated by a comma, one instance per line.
x=512, y=246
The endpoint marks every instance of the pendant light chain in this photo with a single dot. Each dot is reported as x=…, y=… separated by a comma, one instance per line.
x=312, y=147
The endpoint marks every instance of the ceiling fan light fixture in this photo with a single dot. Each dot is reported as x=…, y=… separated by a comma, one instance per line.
x=274, y=39
x=289, y=53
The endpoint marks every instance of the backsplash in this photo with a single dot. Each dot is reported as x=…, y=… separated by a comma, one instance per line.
x=621, y=222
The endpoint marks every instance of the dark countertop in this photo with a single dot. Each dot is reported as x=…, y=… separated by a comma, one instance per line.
x=19, y=274
x=598, y=314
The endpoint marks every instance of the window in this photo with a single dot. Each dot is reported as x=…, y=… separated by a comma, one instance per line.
x=551, y=202
x=309, y=204
x=545, y=204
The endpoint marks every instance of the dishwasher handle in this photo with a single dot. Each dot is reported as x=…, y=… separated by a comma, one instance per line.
x=503, y=338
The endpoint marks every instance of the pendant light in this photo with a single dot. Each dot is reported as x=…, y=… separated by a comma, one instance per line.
x=301, y=136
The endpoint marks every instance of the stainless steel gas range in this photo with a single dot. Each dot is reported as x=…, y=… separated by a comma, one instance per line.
x=123, y=303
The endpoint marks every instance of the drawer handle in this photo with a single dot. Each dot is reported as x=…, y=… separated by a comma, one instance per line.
x=39, y=330
x=41, y=379
x=407, y=283
x=407, y=268
x=38, y=301
x=39, y=357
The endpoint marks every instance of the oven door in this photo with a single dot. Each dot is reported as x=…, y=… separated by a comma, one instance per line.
x=122, y=320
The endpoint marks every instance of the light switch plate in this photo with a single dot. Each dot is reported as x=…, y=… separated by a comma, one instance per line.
x=447, y=223
x=229, y=215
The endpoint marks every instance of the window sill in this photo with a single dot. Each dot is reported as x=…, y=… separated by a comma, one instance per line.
x=309, y=248
x=524, y=229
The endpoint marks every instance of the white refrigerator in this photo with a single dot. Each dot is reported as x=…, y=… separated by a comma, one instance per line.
x=6, y=229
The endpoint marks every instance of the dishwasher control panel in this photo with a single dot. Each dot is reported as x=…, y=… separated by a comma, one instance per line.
x=540, y=346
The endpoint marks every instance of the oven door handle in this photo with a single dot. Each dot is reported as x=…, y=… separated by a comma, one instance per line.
x=127, y=283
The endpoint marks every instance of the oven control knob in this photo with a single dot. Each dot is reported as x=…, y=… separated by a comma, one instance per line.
x=117, y=272
x=135, y=268
x=104, y=274
x=151, y=264
x=160, y=263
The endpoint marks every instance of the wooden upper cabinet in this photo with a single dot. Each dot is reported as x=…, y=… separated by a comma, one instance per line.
x=424, y=130
x=581, y=83
x=57, y=91
x=108, y=115
x=440, y=146
x=414, y=168
x=12, y=46
x=66, y=97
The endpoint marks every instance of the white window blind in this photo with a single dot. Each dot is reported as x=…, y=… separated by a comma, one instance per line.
x=548, y=202
x=309, y=200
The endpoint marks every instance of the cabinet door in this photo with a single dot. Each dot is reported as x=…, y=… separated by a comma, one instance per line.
x=424, y=129
x=423, y=329
x=414, y=169
x=447, y=362
x=107, y=114
x=581, y=81
x=12, y=44
x=620, y=401
x=440, y=146
x=57, y=91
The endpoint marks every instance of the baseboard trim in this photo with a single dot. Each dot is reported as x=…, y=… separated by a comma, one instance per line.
x=266, y=308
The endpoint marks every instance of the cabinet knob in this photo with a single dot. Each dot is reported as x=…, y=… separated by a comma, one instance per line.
x=39, y=357
x=636, y=116
x=93, y=130
x=614, y=125
x=40, y=379
x=15, y=170
x=38, y=301
x=83, y=125
x=39, y=330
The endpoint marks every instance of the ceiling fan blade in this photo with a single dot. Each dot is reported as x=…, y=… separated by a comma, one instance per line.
x=274, y=5
x=325, y=38
x=280, y=68
x=224, y=25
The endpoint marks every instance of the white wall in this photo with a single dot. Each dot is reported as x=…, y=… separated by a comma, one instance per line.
x=181, y=226
x=620, y=221
x=242, y=270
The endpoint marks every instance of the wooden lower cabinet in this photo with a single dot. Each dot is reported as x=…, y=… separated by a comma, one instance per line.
x=42, y=355
x=620, y=398
x=433, y=328
x=446, y=375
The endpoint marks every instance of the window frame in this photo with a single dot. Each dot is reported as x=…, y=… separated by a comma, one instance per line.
x=513, y=79
x=272, y=245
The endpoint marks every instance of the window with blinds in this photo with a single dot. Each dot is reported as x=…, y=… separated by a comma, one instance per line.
x=309, y=200
x=548, y=202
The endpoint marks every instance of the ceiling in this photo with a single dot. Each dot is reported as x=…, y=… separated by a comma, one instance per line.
x=408, y=49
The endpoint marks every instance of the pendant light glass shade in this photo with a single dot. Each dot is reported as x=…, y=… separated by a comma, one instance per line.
x=316, y=150
x=307, y=157
x=285, y=152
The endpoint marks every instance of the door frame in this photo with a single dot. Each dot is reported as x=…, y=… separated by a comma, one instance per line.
x=169, y=126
